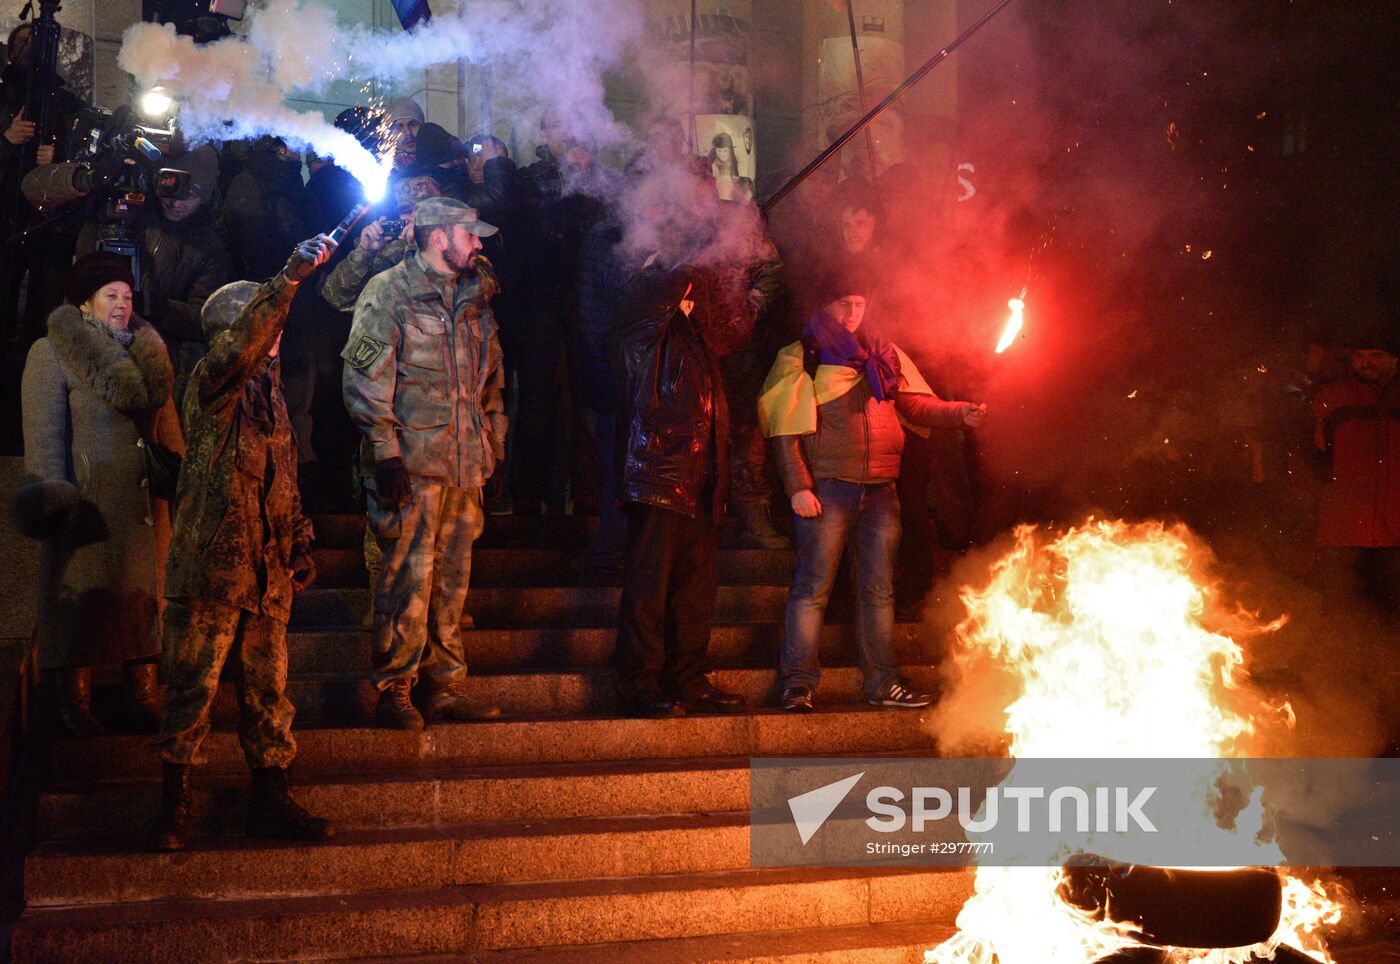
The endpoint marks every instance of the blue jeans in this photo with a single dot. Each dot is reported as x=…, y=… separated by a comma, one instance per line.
x=873, y=512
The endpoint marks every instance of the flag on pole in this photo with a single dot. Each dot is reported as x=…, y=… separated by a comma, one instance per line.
x=412, y=12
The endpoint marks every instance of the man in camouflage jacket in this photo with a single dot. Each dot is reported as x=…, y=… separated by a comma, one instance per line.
x=241, y=548
x=423, y=381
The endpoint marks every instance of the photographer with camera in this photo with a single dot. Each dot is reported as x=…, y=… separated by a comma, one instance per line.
x=45, y=254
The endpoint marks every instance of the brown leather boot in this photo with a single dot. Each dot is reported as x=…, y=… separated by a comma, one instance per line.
x=176, y=821
x=272, y=813
x=75, y=703
x=451, y=702
x=141, y=696
x=396, y=710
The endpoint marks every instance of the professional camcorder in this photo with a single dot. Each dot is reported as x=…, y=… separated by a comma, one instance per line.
x=119, y=164
x=117, y=157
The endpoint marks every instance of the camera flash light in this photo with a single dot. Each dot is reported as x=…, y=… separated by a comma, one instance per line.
x=156, y=103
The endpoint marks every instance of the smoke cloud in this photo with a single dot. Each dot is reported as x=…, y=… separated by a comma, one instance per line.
x=551, y=57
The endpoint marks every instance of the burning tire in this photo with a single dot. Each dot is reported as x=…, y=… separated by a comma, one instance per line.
x=1182, y=908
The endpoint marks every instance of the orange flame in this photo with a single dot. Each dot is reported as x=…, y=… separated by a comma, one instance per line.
x=1013, y=324
x=1116, y=648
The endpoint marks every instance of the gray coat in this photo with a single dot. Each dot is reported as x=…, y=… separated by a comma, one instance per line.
x=87, y=402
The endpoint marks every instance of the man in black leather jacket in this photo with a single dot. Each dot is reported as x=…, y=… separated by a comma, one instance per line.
x=674, y=480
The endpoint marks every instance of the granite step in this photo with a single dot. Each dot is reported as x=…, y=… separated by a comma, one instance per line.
x=351, y=697
x=526, y=606
x=483, y=918
x=74, y=873
x=902, y=943
x=568, y=532
x=832, y=729
x=336, y=568
x=742, y=644
x=123, y=810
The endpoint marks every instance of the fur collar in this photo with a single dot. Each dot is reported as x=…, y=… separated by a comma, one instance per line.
x=134, y=381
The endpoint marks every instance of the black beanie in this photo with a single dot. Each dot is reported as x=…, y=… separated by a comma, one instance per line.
x=92, y=272
x=841, y=281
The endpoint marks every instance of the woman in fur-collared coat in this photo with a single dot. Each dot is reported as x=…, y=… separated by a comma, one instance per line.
x=96, y=394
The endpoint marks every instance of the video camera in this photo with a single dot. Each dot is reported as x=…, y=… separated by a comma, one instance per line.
x=122, y=155
x=119, y=163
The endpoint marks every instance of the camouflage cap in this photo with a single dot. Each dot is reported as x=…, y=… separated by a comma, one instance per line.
x=223, y=307
x=435, y=211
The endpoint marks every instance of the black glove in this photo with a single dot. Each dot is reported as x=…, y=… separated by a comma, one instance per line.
x=303, y=568
x=391, y=483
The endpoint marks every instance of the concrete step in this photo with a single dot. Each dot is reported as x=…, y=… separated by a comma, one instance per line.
x=570, y=532
x=830, y=730
x=211, y=868
x=484, y=918
x=336, y=568
x=351, y=698
x=743, y=644
x=500, y=607
x=856, y=944
x=416, y=797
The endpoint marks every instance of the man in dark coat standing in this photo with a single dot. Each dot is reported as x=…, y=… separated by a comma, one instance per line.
x=674, y=480
x=241, y=549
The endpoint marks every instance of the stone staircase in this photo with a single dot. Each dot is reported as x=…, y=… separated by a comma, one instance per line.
x=559, y=832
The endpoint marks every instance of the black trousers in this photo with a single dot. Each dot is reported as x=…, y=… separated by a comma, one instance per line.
x=670, y=578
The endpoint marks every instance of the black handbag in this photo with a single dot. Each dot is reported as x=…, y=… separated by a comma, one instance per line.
x=162, y=469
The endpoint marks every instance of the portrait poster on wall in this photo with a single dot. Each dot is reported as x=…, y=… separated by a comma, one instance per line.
x=727, y=141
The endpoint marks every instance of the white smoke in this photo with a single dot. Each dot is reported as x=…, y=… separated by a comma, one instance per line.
x=553, y=52
x=549, y=58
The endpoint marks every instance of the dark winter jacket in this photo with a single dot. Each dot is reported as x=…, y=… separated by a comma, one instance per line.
x=677, y=431
x=1358, y=423
x=238, y=519
x=601, y=286
x=90, y=407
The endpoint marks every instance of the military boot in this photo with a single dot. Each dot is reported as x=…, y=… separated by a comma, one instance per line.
x=396, y=710
x=451, y=702
x=141, y=696
x=176, y=821
x=75, y=703
x=756, y=527
x=273, y=814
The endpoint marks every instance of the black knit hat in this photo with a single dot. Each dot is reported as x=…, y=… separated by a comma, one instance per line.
x=436, y=147
x=840, y=281
x=92, y=272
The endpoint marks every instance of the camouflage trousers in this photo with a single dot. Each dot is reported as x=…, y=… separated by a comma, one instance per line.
x=200, y=636
x=421, y=586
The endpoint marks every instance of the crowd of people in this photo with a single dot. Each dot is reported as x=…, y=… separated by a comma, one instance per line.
x=491, y=339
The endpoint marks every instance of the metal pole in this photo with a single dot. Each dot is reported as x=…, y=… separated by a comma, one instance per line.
x=860, y=87
x=694, y=129
x=880, y=108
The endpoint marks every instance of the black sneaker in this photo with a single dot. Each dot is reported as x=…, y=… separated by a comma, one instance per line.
x=798, y=699
x=899, y=693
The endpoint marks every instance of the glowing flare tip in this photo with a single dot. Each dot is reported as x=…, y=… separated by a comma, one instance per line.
x=1013, y=324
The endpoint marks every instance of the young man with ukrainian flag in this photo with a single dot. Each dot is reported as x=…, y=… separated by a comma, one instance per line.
x=834, y=408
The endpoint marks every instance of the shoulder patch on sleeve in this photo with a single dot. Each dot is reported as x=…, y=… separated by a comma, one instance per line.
x=364, y=352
